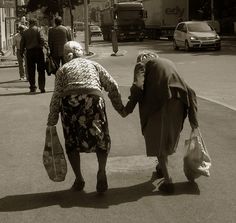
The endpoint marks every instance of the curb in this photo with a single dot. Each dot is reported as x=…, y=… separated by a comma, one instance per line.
x=9, y=65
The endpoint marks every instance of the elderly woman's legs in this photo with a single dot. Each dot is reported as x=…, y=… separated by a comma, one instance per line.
x=102, y=184
x=74, y=158
x=167, y=186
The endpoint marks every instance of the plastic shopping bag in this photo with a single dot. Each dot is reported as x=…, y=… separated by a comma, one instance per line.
x=53, y=156
x=197, y=161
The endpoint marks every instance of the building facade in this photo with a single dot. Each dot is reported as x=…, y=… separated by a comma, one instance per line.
x=7, y=24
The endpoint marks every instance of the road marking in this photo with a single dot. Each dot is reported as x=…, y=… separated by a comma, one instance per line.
x=130, y=163
x=101, y=55
x=217, y=102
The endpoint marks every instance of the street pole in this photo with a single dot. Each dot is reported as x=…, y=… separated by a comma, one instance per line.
x=212, y=11
x=86, y=31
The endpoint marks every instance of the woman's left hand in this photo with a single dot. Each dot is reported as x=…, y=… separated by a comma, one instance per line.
x=140, y=80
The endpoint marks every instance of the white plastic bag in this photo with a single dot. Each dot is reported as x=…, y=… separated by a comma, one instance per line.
x=197, y=161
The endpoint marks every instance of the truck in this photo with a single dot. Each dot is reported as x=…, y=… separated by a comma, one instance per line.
x=163, y=16
x=126, y=18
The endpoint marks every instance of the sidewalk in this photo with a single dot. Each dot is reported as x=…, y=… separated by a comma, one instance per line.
x=8, y=60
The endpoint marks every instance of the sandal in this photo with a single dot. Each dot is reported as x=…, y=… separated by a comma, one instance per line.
x=78, y=185
x=102, y=184
x=167, y=188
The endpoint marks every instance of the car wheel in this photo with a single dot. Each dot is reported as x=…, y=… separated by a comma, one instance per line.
x=175, y=45
x=187, y=48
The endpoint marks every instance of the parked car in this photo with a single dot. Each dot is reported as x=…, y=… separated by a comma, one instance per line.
x=95, y=30
x=195, y=34
x=79, y=26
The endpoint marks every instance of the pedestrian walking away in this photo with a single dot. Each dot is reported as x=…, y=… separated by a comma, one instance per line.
x=16, y=51
x=57, y=37
x=33, y=41
x=164, y=101
x=78, y=98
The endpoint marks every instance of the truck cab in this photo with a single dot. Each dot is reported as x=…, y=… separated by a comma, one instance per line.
x=127, y=18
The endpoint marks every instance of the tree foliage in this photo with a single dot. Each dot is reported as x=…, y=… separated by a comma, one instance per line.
x=51, y=6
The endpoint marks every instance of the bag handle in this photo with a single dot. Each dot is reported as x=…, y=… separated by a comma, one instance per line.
x=203, y=142
x=199, y=133
x=53, y=155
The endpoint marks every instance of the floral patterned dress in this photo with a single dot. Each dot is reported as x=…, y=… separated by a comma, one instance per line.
x=85, y=124
x=78, y=98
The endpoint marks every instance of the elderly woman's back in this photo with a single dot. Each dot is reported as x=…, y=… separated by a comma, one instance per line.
x=78, y=97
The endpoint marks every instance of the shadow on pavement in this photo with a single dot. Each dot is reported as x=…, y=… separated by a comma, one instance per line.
x=23, y=93
x=69, y=198
x=12, y=81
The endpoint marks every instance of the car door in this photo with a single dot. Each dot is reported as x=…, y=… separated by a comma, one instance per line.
x=178, y=34
x=183, y=35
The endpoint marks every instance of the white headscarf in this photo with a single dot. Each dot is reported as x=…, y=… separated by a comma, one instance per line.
x=146, y=55
x=72, y=49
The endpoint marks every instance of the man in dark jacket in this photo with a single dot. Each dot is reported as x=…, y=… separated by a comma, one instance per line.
x=57, y=37
x=33, y=41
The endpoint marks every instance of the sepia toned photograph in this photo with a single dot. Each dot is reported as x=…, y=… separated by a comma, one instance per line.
x=117, y=111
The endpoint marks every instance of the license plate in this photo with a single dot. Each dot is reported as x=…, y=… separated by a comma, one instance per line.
x=208, y=42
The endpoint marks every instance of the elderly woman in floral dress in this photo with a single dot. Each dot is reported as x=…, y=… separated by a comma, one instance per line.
x=78, y=97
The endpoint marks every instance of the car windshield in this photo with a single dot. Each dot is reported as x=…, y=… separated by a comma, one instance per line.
x=128, y=14
x=199, y=27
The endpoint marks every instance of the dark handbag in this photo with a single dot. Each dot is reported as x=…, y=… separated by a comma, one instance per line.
x=53, y=156
x=51, y=65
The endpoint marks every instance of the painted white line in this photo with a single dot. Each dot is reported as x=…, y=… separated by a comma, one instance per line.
x=217, y=102
x=130, y=163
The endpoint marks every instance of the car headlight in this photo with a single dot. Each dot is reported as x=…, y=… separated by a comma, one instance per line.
x=217, y=36
x=193, y=38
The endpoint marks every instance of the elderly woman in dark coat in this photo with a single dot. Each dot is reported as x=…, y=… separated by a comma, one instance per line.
x=164, y=102
x=78, y=98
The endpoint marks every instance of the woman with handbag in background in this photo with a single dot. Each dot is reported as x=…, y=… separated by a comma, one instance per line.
x=78, y=97
x=164, y=102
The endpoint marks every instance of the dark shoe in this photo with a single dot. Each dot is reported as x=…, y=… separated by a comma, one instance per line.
x=167, y=188
x=102, y=184
x=78, y=185
x=159, y=173
x=32, y=91
x=42, y=91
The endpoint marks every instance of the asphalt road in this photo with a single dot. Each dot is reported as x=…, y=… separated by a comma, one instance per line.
x=27, y=195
